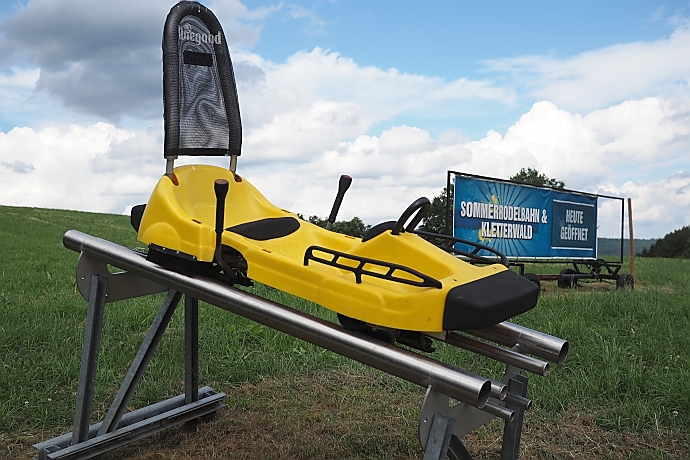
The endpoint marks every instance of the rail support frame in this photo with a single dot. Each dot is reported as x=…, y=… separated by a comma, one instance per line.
x=481, y=399
x=442, y=426
x=512, y=432
x=118, y=428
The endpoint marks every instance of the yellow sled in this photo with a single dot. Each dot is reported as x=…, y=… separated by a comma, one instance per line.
x=209, y=221
x=399, y=281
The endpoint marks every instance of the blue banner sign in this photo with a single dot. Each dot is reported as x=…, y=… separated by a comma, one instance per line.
x=523, y=221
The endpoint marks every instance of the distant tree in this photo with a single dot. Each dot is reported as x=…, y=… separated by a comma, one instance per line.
x=612, y=246
x=353, y=227
x=435, y=219
x=674, y=245
x=534, y=177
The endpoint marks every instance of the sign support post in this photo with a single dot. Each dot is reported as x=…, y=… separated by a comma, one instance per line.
x=632, y=240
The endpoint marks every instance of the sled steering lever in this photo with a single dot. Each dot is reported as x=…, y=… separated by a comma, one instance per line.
x=343, y=185
x=220, y=187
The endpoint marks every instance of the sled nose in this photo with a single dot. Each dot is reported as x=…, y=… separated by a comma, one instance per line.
x=488, y=301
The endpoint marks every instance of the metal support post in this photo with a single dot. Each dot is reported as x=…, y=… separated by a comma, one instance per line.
x=97, y=285
x=89, y=358
x=141, y=361
x=443, y=442
x=439, y=437
x=191, y=349
x=457, y=450
x=512, y=432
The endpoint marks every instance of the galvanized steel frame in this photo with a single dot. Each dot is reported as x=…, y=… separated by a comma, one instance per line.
x=483, y=399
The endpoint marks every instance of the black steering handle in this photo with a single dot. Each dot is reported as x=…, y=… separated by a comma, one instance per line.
x=421, y=207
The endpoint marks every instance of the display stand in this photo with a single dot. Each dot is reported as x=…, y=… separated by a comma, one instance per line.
x=440, y=428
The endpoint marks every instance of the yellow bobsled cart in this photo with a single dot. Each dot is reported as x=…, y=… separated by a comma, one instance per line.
x=209, y=221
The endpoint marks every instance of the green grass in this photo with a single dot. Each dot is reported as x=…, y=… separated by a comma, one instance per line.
x=43, y=322
x=629, y=360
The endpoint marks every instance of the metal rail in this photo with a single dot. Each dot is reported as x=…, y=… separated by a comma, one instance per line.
x=528, y=340
x=503, y=355
x=421, y=370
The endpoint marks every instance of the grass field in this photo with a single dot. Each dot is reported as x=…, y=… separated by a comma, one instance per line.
x=622, y=393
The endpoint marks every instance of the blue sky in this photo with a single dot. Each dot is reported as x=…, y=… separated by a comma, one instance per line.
x=455, y=39
x=451, y=39
x=393, y=93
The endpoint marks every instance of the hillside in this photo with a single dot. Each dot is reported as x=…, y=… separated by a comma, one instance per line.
x=612, y=246
x=675, y=244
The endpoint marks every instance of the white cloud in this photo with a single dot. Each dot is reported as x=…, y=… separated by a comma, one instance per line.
x=324, y=74
x=315, y=21
x=309, y=119
x=305, y=131
x=298, y=109
x=655, y=204
x=68, y=169
x=584, y=150
x=588, y=152
x=262, y=12
x=103, y=168
x=18, y=77
x=599, y=78
x=16, y=87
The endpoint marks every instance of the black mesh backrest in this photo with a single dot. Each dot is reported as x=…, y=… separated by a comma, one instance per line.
x=200, y=107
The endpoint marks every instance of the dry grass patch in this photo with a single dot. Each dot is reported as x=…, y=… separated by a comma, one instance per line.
x=576, y=435
x=347, y=414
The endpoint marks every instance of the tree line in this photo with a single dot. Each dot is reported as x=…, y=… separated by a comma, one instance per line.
x=675, y=244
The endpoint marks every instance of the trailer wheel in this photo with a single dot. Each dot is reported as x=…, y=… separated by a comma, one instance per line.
x=625, y=280
x=533, y=278
x=568, y=282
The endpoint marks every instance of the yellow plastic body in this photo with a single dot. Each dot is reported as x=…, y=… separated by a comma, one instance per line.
x=182, y=217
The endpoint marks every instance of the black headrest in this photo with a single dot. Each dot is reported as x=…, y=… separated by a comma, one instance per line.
x=201, y=110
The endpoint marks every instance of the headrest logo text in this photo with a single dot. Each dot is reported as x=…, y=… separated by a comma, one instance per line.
x=185, y=33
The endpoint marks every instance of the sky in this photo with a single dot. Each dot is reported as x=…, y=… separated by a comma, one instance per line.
x=394, y=94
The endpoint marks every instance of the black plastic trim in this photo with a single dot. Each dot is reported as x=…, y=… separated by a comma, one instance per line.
x=488, y=301
x=425, y=280
x=376, y=230
x=267, y=229
x=135, y=216
x=196, y=58
x=177, y=261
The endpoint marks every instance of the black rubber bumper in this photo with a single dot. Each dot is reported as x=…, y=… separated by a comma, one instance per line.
x=488, y=301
